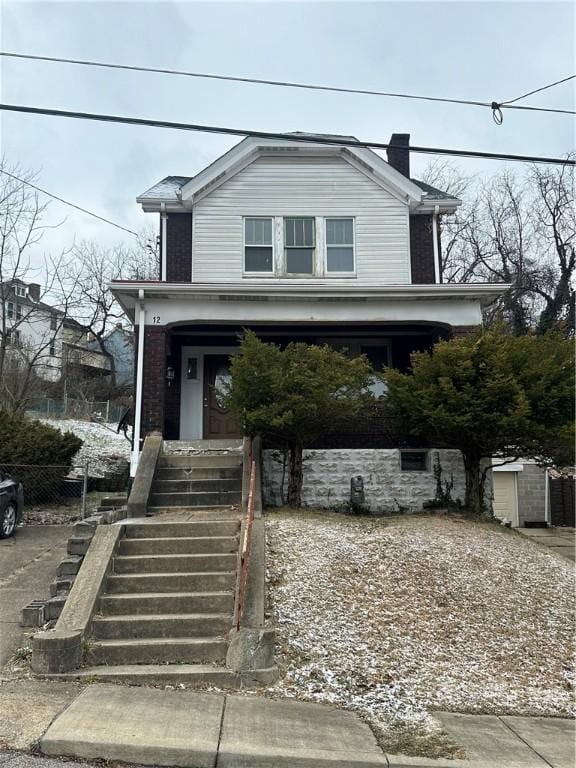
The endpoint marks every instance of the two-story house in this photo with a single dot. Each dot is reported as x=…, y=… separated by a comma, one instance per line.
x=298, y=241
x=32, y=330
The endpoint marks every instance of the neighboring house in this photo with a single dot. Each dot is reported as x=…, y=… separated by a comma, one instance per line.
x=32, y=328
x=119, y=343
x=299, y=241
x=81, y=358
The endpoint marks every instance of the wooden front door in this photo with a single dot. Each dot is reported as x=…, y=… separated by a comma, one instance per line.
x=218, y=422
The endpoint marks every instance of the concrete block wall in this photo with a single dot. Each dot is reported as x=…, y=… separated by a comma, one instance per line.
x=327, y=476
x=531, y=494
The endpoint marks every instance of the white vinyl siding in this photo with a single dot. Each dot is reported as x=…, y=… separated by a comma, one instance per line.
x=288, y=187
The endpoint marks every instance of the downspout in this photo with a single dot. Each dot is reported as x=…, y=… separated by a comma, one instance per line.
x=139, y=379
x=546, y=497
x=435, y=244
x=163, y=229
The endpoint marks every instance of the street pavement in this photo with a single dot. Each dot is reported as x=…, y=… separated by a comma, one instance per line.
x=28, y=563
x=559, y=540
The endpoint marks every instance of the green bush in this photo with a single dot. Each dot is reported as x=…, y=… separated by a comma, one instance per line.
x=37, y=455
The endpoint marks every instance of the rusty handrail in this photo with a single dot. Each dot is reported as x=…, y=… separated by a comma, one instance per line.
x=246, y=547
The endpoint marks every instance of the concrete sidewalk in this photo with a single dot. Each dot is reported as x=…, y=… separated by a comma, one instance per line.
x=148, y=726
x=28, y=563
x=559, y=540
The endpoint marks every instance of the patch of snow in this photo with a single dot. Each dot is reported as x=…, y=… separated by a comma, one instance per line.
x=102, y=445
x=397, y=618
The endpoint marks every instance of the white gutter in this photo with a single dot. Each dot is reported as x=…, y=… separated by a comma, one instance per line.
x=135, y=456
x=163, y=229
x=435, y=244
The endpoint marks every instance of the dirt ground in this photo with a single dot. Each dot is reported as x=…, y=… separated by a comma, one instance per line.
x=398, y=617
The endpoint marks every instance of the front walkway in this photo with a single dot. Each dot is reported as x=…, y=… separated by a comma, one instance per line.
x=559, y=540
x=201, y=730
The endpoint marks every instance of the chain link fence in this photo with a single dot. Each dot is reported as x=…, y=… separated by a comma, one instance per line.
x=71, y=408
x=55, y=494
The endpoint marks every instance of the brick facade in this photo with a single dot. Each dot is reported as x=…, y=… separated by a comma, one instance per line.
x=179, y=247
x=422, y=249
x=154, y=380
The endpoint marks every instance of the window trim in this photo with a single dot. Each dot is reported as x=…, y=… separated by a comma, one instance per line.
x=300, y=275
x=20, y=291
x=248, y=273
x=338, y=274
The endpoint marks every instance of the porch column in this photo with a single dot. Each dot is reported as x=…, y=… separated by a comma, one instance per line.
x=154, y=380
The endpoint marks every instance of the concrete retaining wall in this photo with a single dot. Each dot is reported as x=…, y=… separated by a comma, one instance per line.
x=327, y=476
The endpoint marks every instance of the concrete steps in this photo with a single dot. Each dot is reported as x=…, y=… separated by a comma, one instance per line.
x=168, y=603
x=175, y=563
x=154, y=674
x=198, y=499
x=183, y=545
x=160, y=625
x=163, y=650
x=148, y=603
x=137, y=583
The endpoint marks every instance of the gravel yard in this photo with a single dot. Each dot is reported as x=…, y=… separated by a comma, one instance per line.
x=398, y=617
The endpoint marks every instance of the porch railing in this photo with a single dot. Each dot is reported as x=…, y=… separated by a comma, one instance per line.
x=246, y=546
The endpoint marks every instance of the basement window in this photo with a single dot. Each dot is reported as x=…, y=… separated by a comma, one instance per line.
x=413, y=461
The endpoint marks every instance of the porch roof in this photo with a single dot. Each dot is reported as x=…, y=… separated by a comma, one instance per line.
x=130, y=292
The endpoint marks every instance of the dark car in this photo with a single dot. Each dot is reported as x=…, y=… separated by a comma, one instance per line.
x=11, y=505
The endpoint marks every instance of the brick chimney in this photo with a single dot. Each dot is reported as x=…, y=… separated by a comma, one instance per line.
x=34, y=291
x=398, y=153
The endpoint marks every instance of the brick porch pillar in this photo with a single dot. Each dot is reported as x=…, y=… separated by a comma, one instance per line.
x=154, y=379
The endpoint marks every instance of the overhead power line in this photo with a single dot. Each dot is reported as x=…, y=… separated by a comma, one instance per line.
x=300, y=137
x=538, y=90
x=67, y=202
x=494, y=105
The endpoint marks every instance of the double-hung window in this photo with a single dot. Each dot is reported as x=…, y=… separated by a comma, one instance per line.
x=340, y=245
x=299, y=245
x=258, y=245
x=10, y=311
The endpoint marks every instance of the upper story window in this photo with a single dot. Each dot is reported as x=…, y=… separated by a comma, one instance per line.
x=10, y=310
x=339, y=245
x=18, y=311
x=21, y=291
x=53, y=322
x=299, y=245
x=258, y=245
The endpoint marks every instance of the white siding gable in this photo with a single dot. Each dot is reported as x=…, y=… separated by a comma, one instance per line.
x=301, y=186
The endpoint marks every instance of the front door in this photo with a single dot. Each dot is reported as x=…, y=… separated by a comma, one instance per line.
x=218, y=422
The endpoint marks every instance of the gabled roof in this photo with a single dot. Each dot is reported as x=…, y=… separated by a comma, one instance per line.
x=180, y=192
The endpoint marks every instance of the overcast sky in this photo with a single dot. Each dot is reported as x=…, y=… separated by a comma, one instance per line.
x=484, y=51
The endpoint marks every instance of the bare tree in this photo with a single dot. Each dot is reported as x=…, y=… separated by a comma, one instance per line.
x=30, y=320
x=96, y=267
x=519, y=231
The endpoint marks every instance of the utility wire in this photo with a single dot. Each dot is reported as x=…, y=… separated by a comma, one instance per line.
x=289, y=84
x=300, y=137
x=537, y=90
x=67, y=202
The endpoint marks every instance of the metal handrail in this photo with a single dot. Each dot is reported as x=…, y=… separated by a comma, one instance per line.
x=246, y=547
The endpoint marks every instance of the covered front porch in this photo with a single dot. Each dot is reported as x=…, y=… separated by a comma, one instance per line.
x=187, y=332
x=197, y=365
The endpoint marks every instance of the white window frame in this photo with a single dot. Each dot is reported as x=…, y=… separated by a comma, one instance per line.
x=328, y=273
x=10, y=310
x=21, y=291
x=299, y=275
x=272, y=272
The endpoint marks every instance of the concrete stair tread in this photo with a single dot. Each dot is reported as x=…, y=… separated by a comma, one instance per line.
x=147, y=669
x=143, y=641
x=156, y=539
x=142, y=617
x=166, y=595
x=166, y=573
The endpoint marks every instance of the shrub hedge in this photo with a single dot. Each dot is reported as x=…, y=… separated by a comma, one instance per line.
x=36, y=454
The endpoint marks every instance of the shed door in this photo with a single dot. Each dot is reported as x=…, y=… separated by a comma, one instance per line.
x=505, y=496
